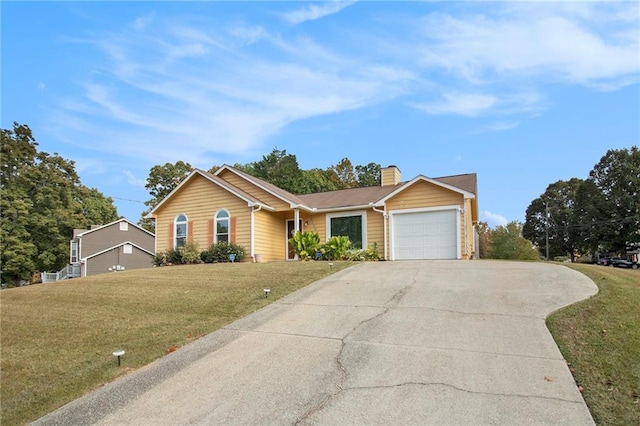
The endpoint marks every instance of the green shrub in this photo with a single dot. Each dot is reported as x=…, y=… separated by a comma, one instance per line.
x=354, y=255
x=168, y=257
x=219, y=253
x=190, y=253
x=372, y=252
x=336, y=248
x=305, y=244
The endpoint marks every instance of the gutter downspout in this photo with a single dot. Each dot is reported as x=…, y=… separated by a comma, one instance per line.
x=253, y=227
x=384, y=224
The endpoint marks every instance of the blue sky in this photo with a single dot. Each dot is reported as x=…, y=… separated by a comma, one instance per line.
x=523, y=94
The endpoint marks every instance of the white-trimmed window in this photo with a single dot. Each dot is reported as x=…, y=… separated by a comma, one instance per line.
x=74, y=251
x=180, y=237
x=350, y=224
x=222, y=226
x=124, y=226
x=127, y=249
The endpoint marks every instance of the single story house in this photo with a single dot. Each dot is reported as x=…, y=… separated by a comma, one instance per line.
x=424, y=218
x=117, y=246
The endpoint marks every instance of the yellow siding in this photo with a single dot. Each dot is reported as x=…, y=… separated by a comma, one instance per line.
x=375, y=229
x=199, y=199
x=315, y=223
x=390, y=176
x=424, y=194
x=254, y=191
x=270, y=230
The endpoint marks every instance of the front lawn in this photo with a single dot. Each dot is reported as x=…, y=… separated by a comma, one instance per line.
x=58, y=338
x=600, y=339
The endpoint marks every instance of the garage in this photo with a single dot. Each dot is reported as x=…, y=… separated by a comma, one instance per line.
x=425, y=235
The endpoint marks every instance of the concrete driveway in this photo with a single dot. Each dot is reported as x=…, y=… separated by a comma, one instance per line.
x=420, y=342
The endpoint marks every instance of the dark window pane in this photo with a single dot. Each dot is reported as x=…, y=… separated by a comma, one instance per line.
x=350, y=226
x=222, y=226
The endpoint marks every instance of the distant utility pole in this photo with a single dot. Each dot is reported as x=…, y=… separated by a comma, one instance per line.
x=546, y=227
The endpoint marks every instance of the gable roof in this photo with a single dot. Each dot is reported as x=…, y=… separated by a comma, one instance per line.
x=419, y=178
x=98, y=228
x=467, y=182
x=277, y=192
x=251, y=201
x=117, y=246
x=464, y=184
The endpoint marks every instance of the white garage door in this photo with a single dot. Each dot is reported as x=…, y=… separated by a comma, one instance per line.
x=425, y=235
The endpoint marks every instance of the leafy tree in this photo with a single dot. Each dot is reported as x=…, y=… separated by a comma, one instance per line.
x=280, y=169
x=617, y=176
x=552, y=214
x=317, y=180
x=369, y=175
x=589, y=217
x=161, y=181
x=42, y=202
x=343, y=174
x=508, y=243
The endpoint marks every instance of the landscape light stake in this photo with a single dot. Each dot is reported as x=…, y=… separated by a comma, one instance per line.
x=118, y=354
x=266, y=292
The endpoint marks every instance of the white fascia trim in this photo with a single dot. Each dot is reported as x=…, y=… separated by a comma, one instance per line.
x=341, y=209
x=84, y=259
x=362, y=213
x=466, y=194
x=123, y=219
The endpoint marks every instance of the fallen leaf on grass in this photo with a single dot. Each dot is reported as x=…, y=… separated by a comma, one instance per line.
x=548, y=378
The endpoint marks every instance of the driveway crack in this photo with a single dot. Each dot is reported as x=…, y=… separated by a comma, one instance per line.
x=392, y=303
x=448, y=385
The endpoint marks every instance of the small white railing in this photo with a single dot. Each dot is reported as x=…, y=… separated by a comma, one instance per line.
x=69, y=271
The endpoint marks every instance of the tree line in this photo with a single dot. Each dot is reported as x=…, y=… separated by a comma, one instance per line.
x=599, y=214
x=42, y=202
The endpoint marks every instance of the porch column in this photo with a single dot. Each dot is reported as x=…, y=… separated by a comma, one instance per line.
x=296, y=225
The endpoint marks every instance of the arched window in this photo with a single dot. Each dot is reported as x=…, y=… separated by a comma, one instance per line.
x=222, y=226
x=180, y=237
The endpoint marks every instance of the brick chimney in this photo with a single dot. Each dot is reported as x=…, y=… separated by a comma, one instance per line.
x=390, y=176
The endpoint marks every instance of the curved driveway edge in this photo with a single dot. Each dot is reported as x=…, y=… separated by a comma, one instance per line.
x=415, y=342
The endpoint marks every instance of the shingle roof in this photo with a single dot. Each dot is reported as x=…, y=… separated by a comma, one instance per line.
x=467, y=182
x=347, y=197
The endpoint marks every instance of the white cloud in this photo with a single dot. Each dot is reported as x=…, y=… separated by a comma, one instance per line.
x=521, y=41
x=133, y=180
x=193, y=90
x=468, y=104
x=501, y=126
x=493, y=219
x=314, y=11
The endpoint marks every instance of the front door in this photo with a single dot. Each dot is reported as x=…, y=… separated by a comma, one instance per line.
x=291, y=254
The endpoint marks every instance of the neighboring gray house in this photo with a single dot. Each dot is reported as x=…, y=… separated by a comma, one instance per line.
x=117, y=246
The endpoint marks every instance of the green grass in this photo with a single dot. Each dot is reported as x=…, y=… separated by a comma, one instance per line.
x=58, y=339
x=600, y=339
